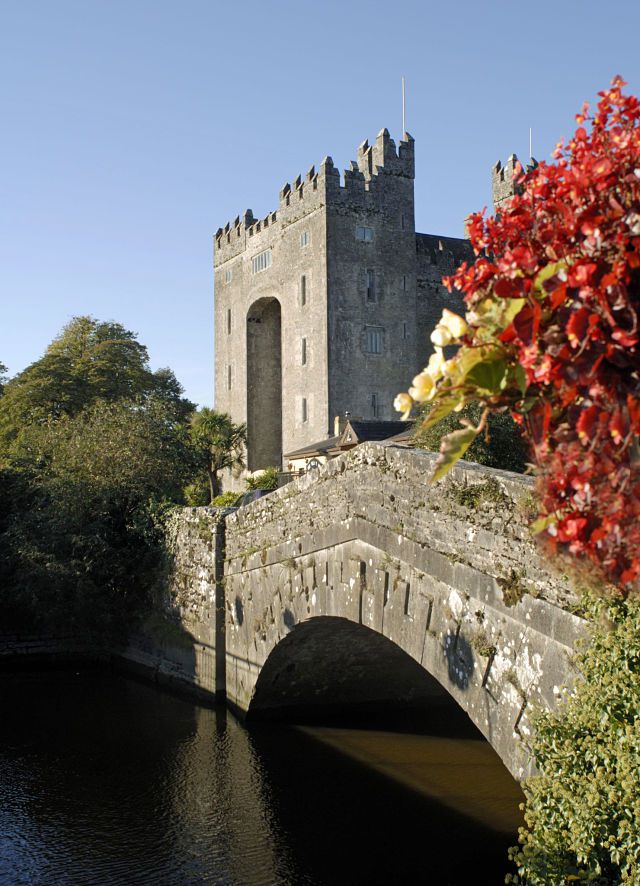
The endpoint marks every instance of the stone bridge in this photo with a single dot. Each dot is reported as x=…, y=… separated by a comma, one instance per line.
x=362, y=584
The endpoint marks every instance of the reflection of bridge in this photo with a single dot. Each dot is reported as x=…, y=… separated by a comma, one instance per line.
x=361, y=584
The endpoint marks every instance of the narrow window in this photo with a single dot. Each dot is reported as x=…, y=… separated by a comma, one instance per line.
x=405, y=329
x=374, y=340
x=303, y=290
x=261, y=261
x=402, y=221
x=228, y=378
x=303, y=351
x=371, y=286
x=375, y=406
x=404, y=284
x=228, y=276
x=364, y=234
x=305, y=239
x=305, y=412
x=228, y=321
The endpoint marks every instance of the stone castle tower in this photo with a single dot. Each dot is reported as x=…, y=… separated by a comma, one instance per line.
x=325, y=306
x=503, y=179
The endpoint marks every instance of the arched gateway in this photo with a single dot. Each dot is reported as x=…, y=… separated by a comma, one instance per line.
x=264, y=384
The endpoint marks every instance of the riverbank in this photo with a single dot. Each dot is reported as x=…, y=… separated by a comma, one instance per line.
x=156, y=656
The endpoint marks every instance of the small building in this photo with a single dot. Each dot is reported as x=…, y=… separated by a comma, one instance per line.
x=352, y=432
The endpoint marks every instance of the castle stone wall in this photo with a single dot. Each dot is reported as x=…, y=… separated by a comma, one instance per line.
x=301, y=212
x=328, y=362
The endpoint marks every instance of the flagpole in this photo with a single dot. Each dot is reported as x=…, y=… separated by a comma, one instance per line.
x=404, y=128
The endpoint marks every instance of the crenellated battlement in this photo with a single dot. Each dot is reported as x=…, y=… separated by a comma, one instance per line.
x=503, y=185
x=376, y=167
x=444, y=252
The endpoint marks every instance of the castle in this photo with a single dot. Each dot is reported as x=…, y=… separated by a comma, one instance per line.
x=325, y=306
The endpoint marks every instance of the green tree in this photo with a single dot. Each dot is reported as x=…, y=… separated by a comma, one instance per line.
x=93, y=448
x=218, y=443
x=89, y=361
x=79, y=539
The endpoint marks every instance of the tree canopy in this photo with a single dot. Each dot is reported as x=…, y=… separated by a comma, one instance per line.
x=94, y=449
x=89, y=361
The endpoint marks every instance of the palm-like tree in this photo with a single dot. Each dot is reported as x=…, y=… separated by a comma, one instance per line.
x=219, y=442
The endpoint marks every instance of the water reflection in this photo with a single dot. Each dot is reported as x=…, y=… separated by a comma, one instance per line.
x=105, y=780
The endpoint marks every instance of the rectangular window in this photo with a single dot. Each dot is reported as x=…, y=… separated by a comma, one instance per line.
x=402, y=222
x=261, y=261
x=364, y=234
x=371, y=286
x=405, y=329
x=304, y=410
x=228, y=321
x=228, y=378
x=305, y=239
x=303, y=290
x=404, y=284
x=303, y=352
x=375, y=405
x=228, y=276
x=374, y=340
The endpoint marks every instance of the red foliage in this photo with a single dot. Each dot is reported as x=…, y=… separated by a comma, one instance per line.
x=577, y=335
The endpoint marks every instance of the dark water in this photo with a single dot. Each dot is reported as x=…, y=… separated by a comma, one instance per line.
x=106, y=780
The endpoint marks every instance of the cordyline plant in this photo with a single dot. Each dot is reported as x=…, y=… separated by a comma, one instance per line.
x=552, y=334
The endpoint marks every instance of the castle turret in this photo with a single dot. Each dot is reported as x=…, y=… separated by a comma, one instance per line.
x=504, y=179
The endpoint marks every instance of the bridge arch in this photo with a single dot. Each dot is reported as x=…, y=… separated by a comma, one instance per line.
x=330, y=666
x=264, y=383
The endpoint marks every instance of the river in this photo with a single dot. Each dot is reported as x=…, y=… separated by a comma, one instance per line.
x=108, y=780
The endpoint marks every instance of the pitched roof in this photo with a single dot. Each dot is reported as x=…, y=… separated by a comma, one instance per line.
x=372, y=430
x=360, y=431
x=312, y=449
x=405, y=438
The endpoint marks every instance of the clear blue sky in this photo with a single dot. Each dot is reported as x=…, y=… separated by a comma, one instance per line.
x=132, y=129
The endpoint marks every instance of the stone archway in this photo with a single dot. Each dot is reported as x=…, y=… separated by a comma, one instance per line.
x=330, y=666
x=264, y=384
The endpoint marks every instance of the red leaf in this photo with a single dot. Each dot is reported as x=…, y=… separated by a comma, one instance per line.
x=577, y=326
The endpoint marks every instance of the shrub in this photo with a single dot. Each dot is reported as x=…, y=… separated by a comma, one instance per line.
x=500, y=447
x=583, y=809
x=267, y=479
x=226, y=500
x=197, y=493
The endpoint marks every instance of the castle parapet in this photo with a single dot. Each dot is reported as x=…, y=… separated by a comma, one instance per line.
x=374, y=164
